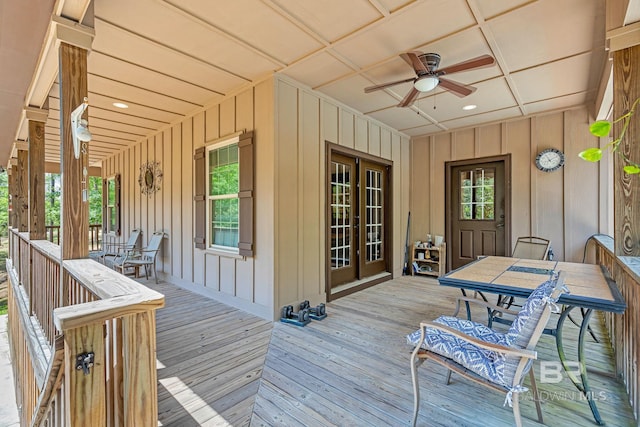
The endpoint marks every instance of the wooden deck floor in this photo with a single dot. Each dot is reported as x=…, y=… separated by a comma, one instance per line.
x=221, y=366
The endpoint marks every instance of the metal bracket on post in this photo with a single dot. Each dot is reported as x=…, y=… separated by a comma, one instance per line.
x=84, y=361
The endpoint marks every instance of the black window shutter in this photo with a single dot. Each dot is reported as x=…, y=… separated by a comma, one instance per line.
x=199, y=198
x=118, y=189
x=246, y=193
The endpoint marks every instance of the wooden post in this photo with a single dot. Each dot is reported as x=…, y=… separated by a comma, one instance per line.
x=37, y=119
x=85, y=393
x=11, y=181
x=74, y=216
x=140, y=373
x=21, y=205
x=626, y=89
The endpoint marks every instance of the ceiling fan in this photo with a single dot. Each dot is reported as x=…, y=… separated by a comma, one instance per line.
x=428, y=76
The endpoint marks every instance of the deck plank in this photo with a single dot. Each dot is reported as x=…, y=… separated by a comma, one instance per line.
x=221, y=366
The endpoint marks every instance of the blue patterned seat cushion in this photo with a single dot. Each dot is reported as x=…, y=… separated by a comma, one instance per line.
x=486, y=363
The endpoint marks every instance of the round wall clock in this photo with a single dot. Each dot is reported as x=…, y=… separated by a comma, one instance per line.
x=549, y=160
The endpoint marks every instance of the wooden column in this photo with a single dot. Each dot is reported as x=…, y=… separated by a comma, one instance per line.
x=37, y=119
x=11, y=181
x=626, y=89
x=21, y=205
x=74, y=217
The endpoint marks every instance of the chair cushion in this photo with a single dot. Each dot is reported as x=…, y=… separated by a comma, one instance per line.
x=486, y=363
x=525, y=322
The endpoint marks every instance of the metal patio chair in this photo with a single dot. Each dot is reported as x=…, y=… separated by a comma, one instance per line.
x=115, y=249
x=531, y=247
x=491, y=358
x=145, y=257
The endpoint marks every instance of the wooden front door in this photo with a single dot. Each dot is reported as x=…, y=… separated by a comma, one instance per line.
x=478, y=217
x=358, y=217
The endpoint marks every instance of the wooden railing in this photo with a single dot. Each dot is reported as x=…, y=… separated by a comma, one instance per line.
x=95, y=235
x=67, y=311
x=623, y=328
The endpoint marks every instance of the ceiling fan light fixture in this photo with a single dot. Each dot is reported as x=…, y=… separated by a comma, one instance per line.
x=426, y=84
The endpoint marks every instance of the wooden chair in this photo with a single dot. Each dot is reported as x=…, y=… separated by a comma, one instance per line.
x=115, y=249
x=145, y=257
x=494, y=359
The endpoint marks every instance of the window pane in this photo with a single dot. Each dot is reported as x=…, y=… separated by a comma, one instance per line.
x=223, y=170
x=111, y=211
x=224, y=222
x=111, y=192
x=340, y=215
x=374, y=216
x=477, y=194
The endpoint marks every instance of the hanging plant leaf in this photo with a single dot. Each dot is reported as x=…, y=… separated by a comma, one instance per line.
x=600, y=128
x=631, y=169
x=591, y=154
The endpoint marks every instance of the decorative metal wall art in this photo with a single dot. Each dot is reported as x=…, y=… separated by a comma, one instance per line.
x=150, y=177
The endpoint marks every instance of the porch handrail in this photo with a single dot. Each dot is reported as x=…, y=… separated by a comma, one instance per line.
x=95, y=310
x=52, y=232
x=623, y=328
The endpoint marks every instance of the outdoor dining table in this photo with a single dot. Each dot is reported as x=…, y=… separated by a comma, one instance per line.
x=590, y=288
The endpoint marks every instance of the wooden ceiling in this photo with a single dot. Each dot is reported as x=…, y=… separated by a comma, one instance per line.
x=168, y=59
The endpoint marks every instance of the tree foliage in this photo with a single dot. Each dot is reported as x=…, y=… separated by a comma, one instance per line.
x=52, y=199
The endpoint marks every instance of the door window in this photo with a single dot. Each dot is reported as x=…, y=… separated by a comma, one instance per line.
x=374, y=218
x=340, y=215
x=477, y=194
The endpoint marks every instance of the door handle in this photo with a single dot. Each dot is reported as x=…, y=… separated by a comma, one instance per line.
x=500, y=225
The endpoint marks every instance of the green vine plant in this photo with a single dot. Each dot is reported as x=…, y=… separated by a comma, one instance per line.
x=602, y=128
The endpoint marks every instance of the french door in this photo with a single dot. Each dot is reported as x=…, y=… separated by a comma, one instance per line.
x=357, y=224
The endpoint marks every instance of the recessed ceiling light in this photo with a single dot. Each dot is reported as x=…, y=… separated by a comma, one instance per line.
x=470, y=107
x=120, y=105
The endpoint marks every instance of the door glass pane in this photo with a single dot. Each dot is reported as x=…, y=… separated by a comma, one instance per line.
x=373, y=208
x=340, y=215
x=477, y=194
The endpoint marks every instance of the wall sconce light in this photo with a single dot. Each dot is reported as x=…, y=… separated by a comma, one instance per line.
x=79, y=130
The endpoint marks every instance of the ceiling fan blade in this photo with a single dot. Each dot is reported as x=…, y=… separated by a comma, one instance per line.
x=412, y=59
x=410, y=98
x=386, y=85
x=479, y=62
x=456, y=88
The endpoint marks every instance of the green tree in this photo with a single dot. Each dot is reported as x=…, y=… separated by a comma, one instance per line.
x=52, y=199
x=95, y=200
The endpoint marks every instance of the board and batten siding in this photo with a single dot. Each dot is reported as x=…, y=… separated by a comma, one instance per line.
x=291, y=125
x=305, y=121
x=566, y=206
x=246, y=283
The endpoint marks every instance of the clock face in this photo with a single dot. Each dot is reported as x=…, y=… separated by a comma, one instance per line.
x=549, y=160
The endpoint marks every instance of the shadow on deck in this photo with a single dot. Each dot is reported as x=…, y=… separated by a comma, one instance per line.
x=218, y=365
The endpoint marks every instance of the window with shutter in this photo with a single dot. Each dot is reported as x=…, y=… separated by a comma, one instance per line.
x=111, y=204
x=224, y=191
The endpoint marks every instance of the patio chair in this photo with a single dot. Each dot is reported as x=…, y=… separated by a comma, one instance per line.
x=114, y=249
x=145, y=257
x=528, y=247
x=494, y=359
x=531, y=247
